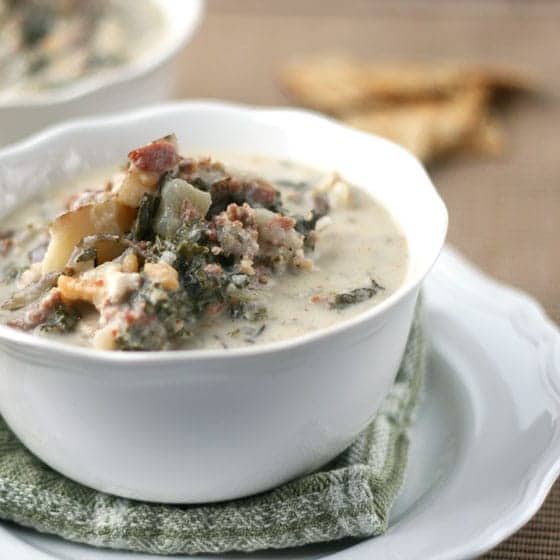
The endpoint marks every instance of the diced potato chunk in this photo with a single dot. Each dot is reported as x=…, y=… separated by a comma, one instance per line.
x=163, y=274
x=135, y=185
x=104, y=338
x=68, y=229
x=200, y=200
x=130, y=263
x=175, y=195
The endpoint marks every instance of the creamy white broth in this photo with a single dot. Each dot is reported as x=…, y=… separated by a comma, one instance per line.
x=361, y=243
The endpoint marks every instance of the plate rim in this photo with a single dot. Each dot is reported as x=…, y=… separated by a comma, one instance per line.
x=545, y=335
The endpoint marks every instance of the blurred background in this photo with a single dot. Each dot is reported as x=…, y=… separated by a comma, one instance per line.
x=504, y=208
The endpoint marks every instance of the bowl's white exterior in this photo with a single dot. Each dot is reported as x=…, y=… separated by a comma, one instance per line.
x=202, y=426
x=147, y=81
x=212, y=429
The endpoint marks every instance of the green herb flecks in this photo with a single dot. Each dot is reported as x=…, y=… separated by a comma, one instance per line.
x=200, y=184
x=248, y=333
x=62, y=320
x=344, y=299
x=296, y=185
x=10, y=273
x=247, y=309
x=306, y=227
x=164, y=321
x=36, y=24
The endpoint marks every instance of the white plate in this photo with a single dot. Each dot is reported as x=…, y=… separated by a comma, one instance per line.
x=485, y=447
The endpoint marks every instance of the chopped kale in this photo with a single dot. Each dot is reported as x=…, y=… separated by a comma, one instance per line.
x=192, y=253
x=200, y=184
x=166, y=316
x=296, y=185
x=143, y=228
x=36, y=25
x=249, y=333
x=246, y=309
x=202, y=289
x=63, y=319
x=37, y=63
x=222, y=343
x=306, y=226
x=143, y=336
x=164, y=321
x=253, y=333
x=343, y=299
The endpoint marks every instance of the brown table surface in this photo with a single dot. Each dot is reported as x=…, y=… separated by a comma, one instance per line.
x=504, y=212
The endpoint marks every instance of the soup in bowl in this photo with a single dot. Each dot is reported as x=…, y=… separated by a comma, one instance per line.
x=173, y=252
x=238, y=293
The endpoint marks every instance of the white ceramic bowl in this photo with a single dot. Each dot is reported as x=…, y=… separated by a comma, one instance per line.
x=200, y=426
x=149, y=79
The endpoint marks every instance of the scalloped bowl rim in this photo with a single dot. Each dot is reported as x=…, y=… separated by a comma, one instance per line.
x=278, y=116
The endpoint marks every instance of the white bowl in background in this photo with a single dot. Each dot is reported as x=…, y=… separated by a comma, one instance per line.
x=205, y=425
x=148, y=79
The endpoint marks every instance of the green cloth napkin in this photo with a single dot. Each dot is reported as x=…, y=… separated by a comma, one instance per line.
x=350, y=497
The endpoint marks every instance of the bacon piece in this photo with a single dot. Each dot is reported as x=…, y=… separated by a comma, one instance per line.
x=214, y=269
x=158, y=156
x=243, y=214
x=261, y=192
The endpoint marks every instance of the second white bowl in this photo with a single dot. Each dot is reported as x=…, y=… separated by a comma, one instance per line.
x=148, y=80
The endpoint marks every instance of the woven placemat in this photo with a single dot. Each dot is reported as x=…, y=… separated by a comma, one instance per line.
x=539, y=539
